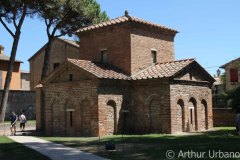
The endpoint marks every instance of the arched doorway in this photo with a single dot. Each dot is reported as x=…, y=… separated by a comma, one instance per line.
x=154, y=117
x=192, y=122
x=180, y=115
x=111, y=117
x=204, y=113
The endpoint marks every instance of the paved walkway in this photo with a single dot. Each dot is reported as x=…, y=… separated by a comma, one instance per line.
x=5, y=129
x=54, y=151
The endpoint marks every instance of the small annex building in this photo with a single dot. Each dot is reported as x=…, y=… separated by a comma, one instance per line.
x=125, y=79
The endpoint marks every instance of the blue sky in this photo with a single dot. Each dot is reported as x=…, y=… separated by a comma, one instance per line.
x=209, y=30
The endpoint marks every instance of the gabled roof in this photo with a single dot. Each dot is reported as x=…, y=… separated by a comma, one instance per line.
x=4, y=57
x=237, y=59
x=161, y=70
x=124, y=19
x=98, y=69
x=67, y=41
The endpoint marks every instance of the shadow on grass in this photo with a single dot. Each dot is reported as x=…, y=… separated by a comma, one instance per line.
x=10, y=150
x=154, y=146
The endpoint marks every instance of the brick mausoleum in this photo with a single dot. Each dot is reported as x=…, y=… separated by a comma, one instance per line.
x=125, y=78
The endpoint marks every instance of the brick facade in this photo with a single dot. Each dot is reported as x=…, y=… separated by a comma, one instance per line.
x=128, y=47
x=19, y=101
x=88, y=98
x=186, y=99
x=143, y=41
x=224, y=117
x=234, y=64
x=61, y=49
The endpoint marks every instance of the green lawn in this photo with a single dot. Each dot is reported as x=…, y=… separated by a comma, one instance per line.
x=10, y=150
x=155, y=146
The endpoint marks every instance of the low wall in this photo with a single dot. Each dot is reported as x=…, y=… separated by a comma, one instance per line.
x=20, y=100
x=223, y=117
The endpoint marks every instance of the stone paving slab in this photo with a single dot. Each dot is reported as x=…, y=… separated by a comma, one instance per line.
x=54, y=151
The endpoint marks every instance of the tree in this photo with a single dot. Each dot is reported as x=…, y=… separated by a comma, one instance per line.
x=233, y=100
x=64, y=17
x=232, y=96
x=13, y=12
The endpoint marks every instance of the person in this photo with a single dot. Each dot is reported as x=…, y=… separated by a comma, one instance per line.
x=238, y=123
x=23, y=120
x=13, y=119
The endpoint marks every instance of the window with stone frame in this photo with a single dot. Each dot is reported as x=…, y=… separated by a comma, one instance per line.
x=154, y=56
x=233, y=75
x=104, y=56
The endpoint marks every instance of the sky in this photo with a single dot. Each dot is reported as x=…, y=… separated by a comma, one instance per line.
x=209, y=30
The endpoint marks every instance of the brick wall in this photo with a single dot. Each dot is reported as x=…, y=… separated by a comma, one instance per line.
x=20, y=100
x=113, y=96
x=188, y=94
x=81, y=99
x=128, y=47
x=117, y=42
x=223, y=117
x=143, y=42
x=149, y=104
x=60, y=51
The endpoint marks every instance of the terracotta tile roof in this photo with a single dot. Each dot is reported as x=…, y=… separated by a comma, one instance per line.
x=4, y=57
x=98, y=69
x=223, y=66
x=124, y=19
x=161, y=70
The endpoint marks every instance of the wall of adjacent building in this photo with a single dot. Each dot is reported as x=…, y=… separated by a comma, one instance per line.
x=16, y=75
x=231, y=85
x=60, y=51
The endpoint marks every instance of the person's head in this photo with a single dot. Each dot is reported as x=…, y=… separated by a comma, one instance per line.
x=13, y=113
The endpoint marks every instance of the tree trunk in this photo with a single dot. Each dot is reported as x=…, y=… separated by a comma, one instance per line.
x=47, y=58
x=9, y=75
x=44, y=75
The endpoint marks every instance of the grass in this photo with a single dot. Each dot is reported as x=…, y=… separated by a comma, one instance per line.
x=155, y=146
x=10, y=150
